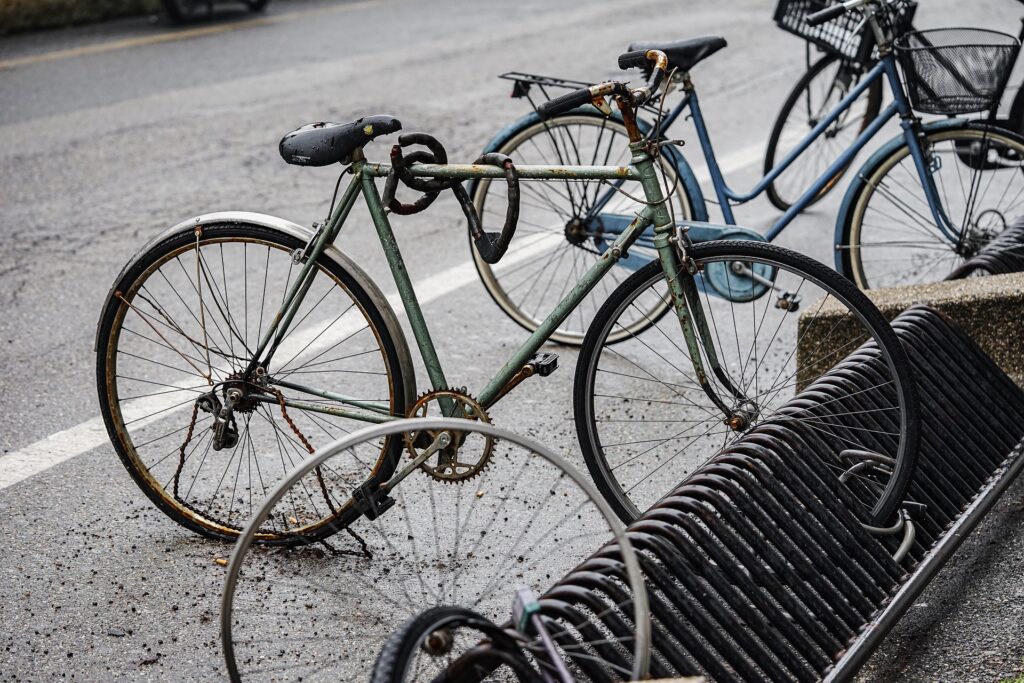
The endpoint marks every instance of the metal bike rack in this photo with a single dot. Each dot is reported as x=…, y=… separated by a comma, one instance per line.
x=758, y=566
x=1004, y=254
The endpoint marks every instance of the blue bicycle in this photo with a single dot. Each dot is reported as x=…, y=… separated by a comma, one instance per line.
x=922, y=203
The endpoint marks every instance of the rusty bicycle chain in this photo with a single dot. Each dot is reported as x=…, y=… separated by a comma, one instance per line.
x=181, y=451
x=319, y=476
x=305, y=442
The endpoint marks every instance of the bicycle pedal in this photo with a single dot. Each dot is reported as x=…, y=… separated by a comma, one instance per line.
x=370, y=501
x=544, y=364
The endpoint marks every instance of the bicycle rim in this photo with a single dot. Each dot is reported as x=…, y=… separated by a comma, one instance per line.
x=558, y=237
x=832, y=365
x=178, y=328
x=892, y=238
x=528, y=518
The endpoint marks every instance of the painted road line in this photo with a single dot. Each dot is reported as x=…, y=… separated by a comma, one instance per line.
x=174, y=36
x=74, y=441
x=731, y=163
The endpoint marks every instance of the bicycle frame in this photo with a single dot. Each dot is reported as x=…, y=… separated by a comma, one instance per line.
x=727, y=197
x=655, y=214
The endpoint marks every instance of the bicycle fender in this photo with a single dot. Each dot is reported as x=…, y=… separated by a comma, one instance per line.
x=864, y=172
x=286, y=227
x=683, y=168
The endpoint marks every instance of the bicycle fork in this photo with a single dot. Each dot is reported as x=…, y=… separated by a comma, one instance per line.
x=680, y=271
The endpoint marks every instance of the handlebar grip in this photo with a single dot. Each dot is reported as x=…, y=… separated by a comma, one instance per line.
x=637, y=59
x=564, y=103
x=827, y=14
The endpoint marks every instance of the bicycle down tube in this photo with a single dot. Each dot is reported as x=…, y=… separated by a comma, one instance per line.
x=587, y=281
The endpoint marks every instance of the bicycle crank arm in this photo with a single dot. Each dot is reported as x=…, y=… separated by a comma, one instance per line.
x=440, y=442
x=541, y=365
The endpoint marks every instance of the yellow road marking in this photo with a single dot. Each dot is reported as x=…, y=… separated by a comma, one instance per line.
x=187, y=34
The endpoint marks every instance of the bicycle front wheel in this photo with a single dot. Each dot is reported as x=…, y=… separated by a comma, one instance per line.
x=890, y=236
x=565, y=226
x=813, y=97
x=175, y=337
x=785, y=330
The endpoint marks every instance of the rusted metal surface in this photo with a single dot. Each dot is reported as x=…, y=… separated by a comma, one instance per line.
x=532, y=172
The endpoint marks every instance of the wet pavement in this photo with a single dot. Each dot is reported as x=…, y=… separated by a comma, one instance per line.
x=111, y=133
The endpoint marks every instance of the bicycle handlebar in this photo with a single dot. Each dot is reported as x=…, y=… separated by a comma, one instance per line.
x=828, y=14
x=637, y=59
x=567, y=102
x=637, y=97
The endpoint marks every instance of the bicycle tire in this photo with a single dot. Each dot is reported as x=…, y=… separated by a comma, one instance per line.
x=134, y=279
x=888, y=236
x=793, y=101
x=500, y=280
x=395, y=658
x=617, y=492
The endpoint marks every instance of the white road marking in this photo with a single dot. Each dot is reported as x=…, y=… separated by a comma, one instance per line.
x=82, y=438
x=739, y=160
x=74, y=441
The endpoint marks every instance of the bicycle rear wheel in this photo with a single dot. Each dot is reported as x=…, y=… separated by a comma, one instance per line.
x=890, y=237
x=174, y=338
x=785, y=329
x=824, y=85
x=561, y=233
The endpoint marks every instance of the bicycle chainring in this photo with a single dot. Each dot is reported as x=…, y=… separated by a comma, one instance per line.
x=464, y=458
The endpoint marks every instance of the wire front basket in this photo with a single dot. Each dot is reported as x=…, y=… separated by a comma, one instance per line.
x=847, y=36
x=956, y=70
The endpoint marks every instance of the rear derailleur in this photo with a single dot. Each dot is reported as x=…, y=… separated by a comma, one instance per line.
x=239, y=396
x=225, y=430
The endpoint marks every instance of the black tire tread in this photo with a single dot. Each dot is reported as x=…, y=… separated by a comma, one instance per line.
x=400, y=647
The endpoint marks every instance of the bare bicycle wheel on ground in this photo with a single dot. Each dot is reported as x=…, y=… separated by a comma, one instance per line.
x=516, y=516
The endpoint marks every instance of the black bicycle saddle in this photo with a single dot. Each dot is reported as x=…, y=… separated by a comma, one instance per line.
x=320, y=144
x=684, y=54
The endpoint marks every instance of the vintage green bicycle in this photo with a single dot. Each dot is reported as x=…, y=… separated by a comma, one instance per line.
x=234, y=342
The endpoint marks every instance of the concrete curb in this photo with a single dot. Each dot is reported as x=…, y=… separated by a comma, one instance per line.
x=990, y=310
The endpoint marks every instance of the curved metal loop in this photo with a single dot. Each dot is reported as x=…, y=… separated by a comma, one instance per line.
x=491, y=246
x=634, y=577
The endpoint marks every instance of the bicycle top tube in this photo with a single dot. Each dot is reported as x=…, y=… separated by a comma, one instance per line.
x=532, y=172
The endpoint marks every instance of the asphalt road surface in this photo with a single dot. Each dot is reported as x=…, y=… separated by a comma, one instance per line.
x=109, y=134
